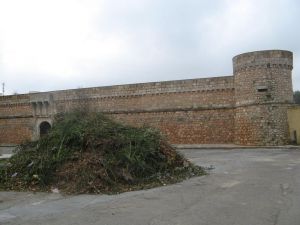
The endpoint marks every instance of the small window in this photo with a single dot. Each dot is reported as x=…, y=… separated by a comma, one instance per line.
x=262, y=88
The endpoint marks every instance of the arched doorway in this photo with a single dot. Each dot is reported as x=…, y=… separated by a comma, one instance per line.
x=44, y=128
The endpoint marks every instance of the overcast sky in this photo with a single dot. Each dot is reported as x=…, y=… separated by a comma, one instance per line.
x=61, y=44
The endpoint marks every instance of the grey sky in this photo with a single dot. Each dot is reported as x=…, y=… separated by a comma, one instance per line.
x=61, y=44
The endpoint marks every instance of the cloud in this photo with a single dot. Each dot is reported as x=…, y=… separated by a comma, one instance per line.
x=62, y=44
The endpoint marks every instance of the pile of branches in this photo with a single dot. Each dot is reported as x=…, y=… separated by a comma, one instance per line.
x=91, y=153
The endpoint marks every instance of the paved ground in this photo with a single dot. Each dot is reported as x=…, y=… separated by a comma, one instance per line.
x=247, y=187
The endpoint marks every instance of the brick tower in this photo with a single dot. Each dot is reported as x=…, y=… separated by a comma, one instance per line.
x=263, y=92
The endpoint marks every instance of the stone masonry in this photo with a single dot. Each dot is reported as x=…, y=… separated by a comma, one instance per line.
x=248, y=108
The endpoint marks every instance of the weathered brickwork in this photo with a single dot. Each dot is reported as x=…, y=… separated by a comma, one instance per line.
x=15, y=130
x=261, y=125
x=153, y=102
x=189, y=127
x=263, y=91
x=248, y=108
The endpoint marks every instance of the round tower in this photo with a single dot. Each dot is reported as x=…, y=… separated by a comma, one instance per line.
x=263, y=92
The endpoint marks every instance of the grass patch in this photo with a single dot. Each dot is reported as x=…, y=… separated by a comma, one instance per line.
x=90, y=153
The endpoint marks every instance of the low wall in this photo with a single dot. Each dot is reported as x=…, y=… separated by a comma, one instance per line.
x=294, y=123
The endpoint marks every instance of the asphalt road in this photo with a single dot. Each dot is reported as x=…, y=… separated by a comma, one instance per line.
x=246, y=187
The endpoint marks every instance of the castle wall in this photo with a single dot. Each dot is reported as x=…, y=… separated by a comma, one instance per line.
x=263, y=90
x=248, y=108
x=156, y=96
x=186, y=111
x=16, y=123
x=189, y=111
x=187, y=127
x=16, y=130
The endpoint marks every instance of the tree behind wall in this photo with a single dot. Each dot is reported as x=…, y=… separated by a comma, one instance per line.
x=297, y=97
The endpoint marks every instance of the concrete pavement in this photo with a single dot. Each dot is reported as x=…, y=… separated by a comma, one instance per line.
x=246, y=187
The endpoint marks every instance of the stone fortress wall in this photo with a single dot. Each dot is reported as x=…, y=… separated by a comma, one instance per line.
x=248, y=108
x=263, y=93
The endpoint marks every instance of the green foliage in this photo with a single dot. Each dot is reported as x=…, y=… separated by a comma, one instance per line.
x=297, y=97
x=90, y=153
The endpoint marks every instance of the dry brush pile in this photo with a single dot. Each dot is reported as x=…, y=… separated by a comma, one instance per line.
x=90, y=153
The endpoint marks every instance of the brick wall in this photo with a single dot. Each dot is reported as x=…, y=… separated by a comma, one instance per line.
x=263, y=92
x=15, y=130
x=152, y=102
x=16, y=123
x=189, y=111
x=186, y=111
x=249, y=108
x=261, y=125
x=187, y=127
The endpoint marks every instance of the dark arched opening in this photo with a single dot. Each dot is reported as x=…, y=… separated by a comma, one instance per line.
x=44, y=128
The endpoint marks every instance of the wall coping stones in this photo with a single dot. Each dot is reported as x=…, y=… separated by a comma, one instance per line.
x=263, y=59
x=127, y=90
